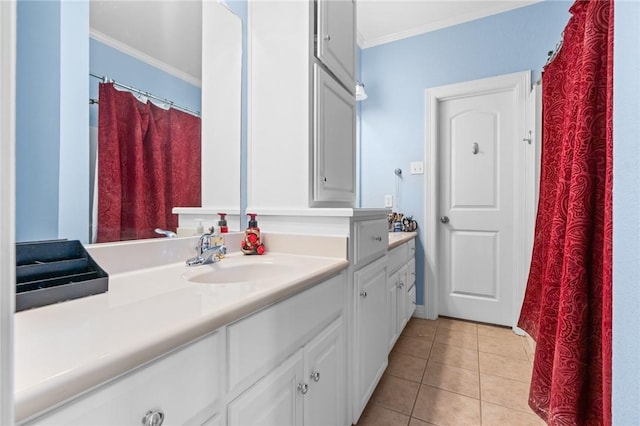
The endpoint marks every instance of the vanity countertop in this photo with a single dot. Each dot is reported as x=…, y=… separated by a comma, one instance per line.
x=65, y=349
x=398, y=238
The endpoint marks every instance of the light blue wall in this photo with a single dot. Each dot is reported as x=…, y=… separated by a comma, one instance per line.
x=51, y=40
x=626, y=214
x=73, y=222
x=396, y=75
x=37, y=119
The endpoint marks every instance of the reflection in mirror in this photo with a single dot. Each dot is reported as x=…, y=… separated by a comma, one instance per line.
x=145, y=49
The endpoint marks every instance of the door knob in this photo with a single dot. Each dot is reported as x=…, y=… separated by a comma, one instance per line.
x=153, y=418
x=303, y=388
x=444, y=219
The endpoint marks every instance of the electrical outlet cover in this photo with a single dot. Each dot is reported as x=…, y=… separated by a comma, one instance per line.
x=417, y=167
x=388, y=200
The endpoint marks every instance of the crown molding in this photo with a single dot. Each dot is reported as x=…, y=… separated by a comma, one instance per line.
x=443, y=23
x=141, y=56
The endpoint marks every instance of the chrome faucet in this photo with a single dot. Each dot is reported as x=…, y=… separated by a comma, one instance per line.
x=166, y=233
x=209, y=250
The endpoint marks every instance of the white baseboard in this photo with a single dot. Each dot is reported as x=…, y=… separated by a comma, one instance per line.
x=420, y=312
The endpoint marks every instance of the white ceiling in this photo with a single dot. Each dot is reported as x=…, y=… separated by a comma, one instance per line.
x=167, y=33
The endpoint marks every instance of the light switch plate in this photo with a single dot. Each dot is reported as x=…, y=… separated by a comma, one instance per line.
x=417, y=167
x=388, y=200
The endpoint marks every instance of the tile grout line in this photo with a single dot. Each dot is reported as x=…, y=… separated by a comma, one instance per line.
x=415, y=400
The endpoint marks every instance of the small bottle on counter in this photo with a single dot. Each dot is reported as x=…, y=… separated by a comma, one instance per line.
x=251, y=243
x=222, y=223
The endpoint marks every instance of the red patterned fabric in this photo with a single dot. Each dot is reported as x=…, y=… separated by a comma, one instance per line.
x=567, y=306
x=148, y=163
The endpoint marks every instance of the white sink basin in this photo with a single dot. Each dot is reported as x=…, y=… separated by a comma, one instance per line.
x=237, y=272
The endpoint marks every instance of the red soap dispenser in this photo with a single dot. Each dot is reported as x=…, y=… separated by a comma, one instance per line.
x=222, y=223
x=251, y=243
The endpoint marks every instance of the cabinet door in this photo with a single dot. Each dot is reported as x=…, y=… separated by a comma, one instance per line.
x=274, y=400
x=403, y=290
x=411, y=271
x=411, y=302
x=336, y=44
x=372, y=328
x=392, y=303
x=324, y=403
x=334, y=142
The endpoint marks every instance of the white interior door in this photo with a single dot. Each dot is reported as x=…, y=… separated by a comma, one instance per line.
x=476, y=138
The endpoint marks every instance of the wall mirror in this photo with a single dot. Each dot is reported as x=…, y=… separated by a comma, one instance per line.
x=188, y=52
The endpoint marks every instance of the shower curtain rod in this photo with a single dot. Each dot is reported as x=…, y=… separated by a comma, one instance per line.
x=106, y=79
x=553, y=53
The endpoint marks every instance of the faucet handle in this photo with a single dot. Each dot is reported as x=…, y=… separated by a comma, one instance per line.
x=222, y=251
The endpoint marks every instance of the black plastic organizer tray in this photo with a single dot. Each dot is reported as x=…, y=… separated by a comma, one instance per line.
x=49, y=272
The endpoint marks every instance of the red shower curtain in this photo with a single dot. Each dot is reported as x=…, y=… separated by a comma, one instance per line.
x=567, y=306
x=148, y=163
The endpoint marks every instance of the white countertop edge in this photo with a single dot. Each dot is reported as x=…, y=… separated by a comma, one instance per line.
x=321, y=212
x=398, y=238
x=58, y=389
x=206, y=210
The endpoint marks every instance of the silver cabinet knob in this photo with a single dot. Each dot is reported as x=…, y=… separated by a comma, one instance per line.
x=315, y=376
x=401, y=284
x=363, y=294
x=303, y=388
x=378, y=238
x=153, y=418
x=444, y=219
x=327, y=37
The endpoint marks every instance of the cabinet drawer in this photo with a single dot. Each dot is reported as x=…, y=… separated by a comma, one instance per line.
x=398, y=257
x=260, y=341
x=185, y=385
x=371, y=240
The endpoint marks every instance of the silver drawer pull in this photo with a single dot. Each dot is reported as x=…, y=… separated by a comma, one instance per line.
x=401, y=284
x=363, y=294
x=327, y=37
x=153, y=418
x=303, y=388
x=315, y=376
x=378, y=238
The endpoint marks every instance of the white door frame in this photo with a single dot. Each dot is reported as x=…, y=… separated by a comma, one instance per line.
x=7, y=199
x=520, y=83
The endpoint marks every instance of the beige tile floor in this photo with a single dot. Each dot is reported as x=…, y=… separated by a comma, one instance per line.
x=454, y=372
